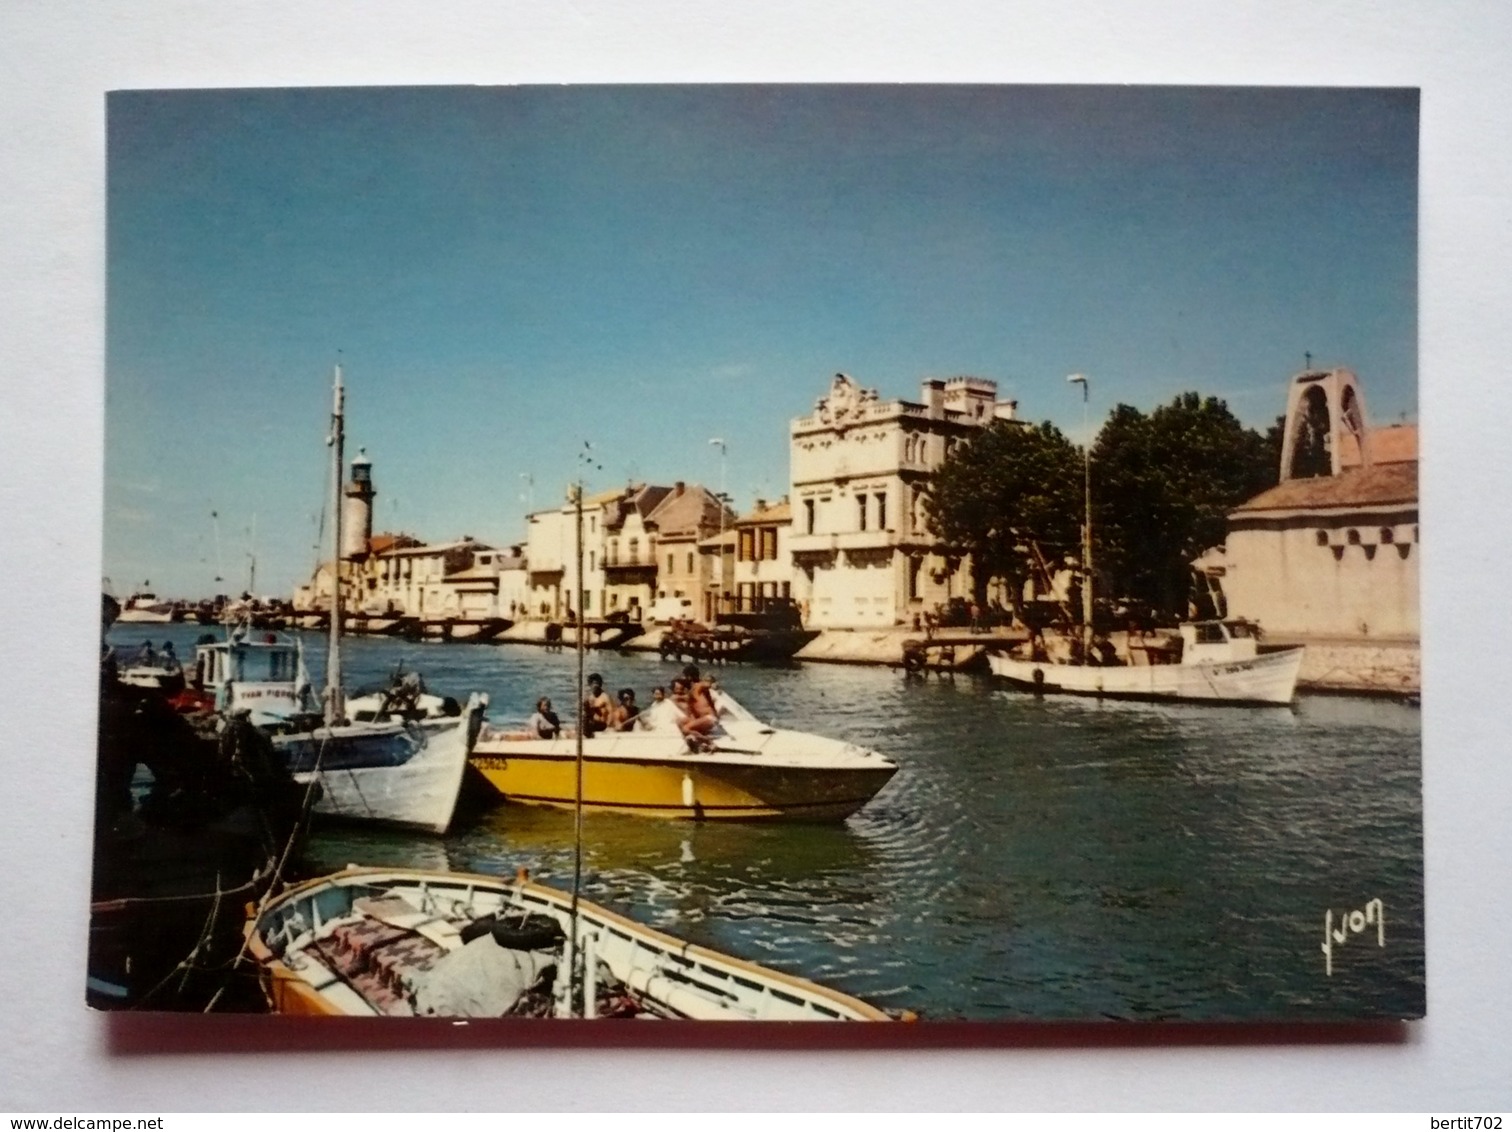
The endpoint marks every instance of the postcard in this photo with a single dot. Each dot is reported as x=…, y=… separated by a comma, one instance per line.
x=762, y=553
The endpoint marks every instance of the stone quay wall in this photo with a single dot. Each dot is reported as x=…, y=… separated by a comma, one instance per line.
x=1359, y=665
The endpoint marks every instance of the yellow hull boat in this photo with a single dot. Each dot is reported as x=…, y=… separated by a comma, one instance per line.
x=750, y=772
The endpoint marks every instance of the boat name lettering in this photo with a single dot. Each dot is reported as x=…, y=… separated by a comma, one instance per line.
x=1352, y=923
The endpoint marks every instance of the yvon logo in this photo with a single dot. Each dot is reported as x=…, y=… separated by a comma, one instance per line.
x=1352, y=923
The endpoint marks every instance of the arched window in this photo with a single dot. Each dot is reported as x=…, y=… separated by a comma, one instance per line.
x=1322, y=537
x=1388, y=536
x=1354, y=537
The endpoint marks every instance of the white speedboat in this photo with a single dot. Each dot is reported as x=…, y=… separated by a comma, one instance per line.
x=406, y=943
x=750, y=770
x=1218, y=662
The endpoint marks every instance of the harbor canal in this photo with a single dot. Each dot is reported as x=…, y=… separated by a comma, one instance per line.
x=1038, y=859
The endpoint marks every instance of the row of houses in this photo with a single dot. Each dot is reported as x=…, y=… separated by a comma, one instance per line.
x=851, y=547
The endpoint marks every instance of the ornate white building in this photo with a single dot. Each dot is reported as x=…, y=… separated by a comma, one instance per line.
x=863, y=554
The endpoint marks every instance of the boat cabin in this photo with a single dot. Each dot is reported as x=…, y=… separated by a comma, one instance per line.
x=1216, y=642
x=266, y=677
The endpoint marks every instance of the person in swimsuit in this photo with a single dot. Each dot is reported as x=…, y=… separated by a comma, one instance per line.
x=703, y=717
x=598, y=710
x=544, y=724
x=626, y=711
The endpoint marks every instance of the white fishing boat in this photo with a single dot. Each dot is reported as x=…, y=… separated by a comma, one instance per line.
x=406, y=943
x=262, y=674
x=396, y=757
x=1214, y=662
x=398, y=772
x=747, y=771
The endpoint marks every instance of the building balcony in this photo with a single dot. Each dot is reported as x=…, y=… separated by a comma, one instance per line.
x=630, y=562
x=844, y=540
x=812, y=543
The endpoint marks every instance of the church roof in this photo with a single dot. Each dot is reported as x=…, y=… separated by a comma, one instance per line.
x=1393, y=444
x=1378, y=485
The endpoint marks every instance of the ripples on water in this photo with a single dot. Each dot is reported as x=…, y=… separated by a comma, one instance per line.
x=1046, y=859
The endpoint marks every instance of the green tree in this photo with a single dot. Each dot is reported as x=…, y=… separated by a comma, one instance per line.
x=1162, y=488
x=1007, y=487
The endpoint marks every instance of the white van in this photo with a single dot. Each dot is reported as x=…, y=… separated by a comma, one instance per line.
x=665, y=609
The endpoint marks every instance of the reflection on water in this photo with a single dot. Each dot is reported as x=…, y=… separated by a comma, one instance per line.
x=1055, y=858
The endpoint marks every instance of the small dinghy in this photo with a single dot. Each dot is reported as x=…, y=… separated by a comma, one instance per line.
x=412, y=943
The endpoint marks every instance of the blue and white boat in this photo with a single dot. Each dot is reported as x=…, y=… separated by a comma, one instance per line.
x=396, y=757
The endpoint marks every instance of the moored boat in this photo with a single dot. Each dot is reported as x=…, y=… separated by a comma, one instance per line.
x=393, y=771
x=143, y=607
x=1213, y=662
x=397, y=757
x=732, y=643
x=750, y=771
x=190, y=825
x=400, y=764
x=387, y=943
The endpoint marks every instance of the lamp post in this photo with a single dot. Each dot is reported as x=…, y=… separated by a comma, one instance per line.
x=1081, y=379
x=724, y=452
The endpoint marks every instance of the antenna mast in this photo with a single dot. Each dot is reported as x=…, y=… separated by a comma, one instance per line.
x=334, y=709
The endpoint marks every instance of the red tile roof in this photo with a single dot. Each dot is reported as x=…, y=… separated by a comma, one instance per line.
x=1393, y=444
x=781, y=512
x=1378, y=485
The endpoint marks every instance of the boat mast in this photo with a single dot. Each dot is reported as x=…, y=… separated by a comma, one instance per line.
x=334, y=709
x=582, y=720
x=1081, y=379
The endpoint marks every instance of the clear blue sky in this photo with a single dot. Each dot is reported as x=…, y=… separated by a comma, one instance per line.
x=509, y=271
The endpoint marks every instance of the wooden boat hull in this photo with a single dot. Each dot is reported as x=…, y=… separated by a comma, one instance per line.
x=673, y=978
x=1266, y=679
x=760, y=646
x=762, y=776
x=407, y=775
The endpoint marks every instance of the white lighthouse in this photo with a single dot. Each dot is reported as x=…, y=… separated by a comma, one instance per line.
x=357, y=510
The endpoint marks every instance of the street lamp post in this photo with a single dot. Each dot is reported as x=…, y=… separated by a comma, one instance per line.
x=1081, y=379
x=724, y=452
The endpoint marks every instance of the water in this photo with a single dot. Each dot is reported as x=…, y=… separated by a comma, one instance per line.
x=1032, y=859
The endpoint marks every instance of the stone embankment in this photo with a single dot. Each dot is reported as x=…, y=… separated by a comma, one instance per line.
x=1359, y=665
x=1356, y=665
